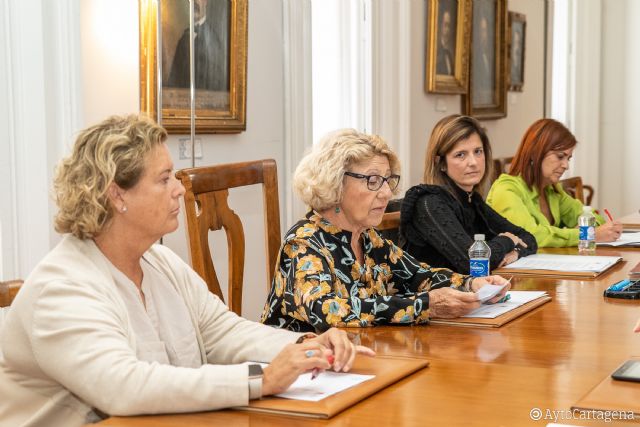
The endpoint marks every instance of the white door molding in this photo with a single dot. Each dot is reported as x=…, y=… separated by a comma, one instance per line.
x=298, y=113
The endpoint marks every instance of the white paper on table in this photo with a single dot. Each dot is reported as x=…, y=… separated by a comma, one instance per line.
x=518, y=298
x=571, y=263
x=625, y=239
x=489, y=291
x=326, y=384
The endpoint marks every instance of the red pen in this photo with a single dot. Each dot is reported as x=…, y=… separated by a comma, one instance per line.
x=609, y=215
x=316, y=371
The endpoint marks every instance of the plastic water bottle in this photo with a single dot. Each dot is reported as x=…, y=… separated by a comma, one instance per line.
x=479, y=255
x=587, y=227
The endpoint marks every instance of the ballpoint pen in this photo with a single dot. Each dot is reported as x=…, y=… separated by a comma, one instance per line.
x=316, y=371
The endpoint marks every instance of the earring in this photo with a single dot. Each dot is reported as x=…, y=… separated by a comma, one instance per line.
x=123, y=209
x=337, y=209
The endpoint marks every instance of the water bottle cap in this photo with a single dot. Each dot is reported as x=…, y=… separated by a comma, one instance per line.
x=586, y=208
x=478, y=237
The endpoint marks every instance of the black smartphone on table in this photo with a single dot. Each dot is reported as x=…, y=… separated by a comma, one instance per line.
x=629, y=371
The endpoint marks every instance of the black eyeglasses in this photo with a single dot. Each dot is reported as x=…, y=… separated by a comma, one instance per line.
x=375, y=182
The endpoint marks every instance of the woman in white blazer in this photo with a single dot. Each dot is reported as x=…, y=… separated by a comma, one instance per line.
x=110, y=323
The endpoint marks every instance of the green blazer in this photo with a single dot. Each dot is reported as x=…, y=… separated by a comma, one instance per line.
x=512, y=198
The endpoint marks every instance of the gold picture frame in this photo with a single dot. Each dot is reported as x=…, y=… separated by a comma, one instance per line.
x=447, y=69
x=516, y=49
x=221, y=49
x=486, y=97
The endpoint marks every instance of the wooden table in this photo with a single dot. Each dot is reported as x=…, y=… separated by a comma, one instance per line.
x=548, y=359
x=631, y=221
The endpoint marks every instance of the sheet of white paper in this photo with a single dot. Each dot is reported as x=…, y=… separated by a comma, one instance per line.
x=489, y=291
x=518, y=298
x=625, y=239
x=325, y=384
x=573, y=263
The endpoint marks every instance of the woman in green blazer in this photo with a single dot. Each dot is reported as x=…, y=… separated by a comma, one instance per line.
x=530, y=195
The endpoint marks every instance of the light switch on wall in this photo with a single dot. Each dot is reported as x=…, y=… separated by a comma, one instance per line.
x=184, y=147
x=441, y=104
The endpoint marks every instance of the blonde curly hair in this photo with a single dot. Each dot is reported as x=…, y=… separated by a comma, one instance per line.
x=111, y=151
x=319, y=176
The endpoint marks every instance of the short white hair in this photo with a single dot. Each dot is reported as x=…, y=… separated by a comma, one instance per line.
x=319, y=176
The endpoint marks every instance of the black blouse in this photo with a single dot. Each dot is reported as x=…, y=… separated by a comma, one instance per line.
x=437, y=227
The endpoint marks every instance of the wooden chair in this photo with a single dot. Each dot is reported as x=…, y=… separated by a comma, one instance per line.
x=8, y=291
x=206, y=208
x=390, y=225
x=573, y=186
x=501, y=165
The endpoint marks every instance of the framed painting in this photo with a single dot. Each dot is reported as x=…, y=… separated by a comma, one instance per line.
x=220, y=64
x=447, y=68
x=517, y=33
x=486, y=97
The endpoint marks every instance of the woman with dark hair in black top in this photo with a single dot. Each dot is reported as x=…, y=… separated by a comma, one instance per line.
x=440, y=217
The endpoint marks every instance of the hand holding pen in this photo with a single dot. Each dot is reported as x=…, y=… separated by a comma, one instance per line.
x=609, y=231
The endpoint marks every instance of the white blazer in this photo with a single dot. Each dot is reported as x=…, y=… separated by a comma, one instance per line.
x=69, y=346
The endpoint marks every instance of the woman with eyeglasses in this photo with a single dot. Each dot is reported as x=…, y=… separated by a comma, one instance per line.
x=334, y=268
x=440, y=217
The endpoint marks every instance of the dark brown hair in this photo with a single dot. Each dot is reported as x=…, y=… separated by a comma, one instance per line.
x=445, y=135
x=542, y=137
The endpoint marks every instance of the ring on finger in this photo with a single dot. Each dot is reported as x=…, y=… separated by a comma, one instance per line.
x=309, y=353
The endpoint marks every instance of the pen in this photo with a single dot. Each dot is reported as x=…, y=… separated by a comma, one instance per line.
x=316, y=371
x=507, y=297
x=608, y=214
x=620, y=286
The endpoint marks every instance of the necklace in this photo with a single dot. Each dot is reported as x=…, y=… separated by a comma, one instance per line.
x=469, y=194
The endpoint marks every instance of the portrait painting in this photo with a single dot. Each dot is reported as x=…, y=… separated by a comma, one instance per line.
x=487, y=83
x=517, y=27
x=448, y=46
x=219, y=63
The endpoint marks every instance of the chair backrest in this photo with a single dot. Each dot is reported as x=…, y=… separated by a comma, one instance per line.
x=8, y=291
x=206, y=208
x=501, y=165
x=573, y=186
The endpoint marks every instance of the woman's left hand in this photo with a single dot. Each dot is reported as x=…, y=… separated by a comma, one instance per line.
x=479, y=282
x=344, y=351
x=509, y=258
x=637, y=328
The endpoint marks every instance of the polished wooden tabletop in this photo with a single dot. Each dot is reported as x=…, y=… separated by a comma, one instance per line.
x=547, y=359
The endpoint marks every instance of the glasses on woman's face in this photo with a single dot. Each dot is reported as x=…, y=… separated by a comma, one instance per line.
x=375, y=182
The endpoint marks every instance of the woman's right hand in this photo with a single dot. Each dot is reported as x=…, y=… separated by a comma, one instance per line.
x=313, y=353
x=449, y=303
x=608, y=232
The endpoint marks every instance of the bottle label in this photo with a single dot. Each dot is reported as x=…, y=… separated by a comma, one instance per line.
x=587, y=232
x=479, y=267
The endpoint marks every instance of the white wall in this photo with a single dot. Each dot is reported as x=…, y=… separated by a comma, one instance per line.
x=620, y=107
x=523, y=107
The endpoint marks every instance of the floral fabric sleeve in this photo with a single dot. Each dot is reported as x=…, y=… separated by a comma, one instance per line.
x=409, y=274
x=316, y=296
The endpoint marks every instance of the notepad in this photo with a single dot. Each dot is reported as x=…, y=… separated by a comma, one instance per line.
x=626, y=239
x=325, y=385
x=559, y=265
x=518, y=298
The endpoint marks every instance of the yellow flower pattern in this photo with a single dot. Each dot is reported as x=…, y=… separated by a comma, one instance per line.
x=319, y=283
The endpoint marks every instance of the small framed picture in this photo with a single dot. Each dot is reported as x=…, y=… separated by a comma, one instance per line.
x=517, y=33
x=447, y=66
x=486, y=97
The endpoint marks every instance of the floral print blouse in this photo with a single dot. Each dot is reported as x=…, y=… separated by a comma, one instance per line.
x=319, y=283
